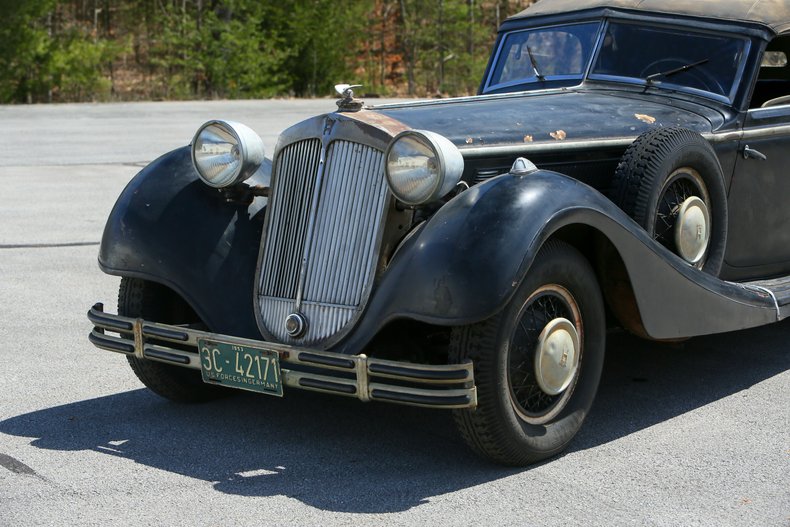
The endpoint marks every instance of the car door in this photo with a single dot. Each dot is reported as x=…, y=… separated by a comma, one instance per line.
x=759, y=198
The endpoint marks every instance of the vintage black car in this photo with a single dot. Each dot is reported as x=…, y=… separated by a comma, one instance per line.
x=625, y=164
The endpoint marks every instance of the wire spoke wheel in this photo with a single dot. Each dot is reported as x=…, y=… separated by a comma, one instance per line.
x=537, y=362
x=682, y=184
x=531, y=401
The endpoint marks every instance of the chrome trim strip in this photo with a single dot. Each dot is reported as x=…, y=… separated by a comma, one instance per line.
x=139, y=348
x=771, y=294
x=362, y=371
x=613, y=142
x=557, y=146
x=319, y=183
x=780, y=109
x=724, y=137
x=429, y=385
x=763, y=132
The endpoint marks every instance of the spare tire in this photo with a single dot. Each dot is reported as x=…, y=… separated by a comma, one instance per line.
x=671, y=183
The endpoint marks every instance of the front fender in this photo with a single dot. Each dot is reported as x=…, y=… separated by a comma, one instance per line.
x=468, y=260
x=169, y=227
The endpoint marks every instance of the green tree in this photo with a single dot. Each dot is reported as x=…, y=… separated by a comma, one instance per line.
x=44, y=58
x=327, y=36
x=244, y=56
x=26, y=50
x=63, y=50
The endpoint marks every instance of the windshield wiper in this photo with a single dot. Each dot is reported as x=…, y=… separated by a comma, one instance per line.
x=650, y=78
x=538, y=74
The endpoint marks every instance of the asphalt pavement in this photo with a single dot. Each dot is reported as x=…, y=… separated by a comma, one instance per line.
x=692, y=434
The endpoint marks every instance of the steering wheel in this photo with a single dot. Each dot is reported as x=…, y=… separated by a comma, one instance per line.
x=703, y=79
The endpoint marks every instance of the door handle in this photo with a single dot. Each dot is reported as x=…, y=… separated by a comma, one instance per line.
x=751, y=153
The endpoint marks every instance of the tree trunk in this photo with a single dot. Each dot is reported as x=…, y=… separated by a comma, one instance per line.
x=441, y=47
x=409, y=46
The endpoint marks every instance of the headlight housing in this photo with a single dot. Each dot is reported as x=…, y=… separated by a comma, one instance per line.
x=422, y=166
x=226, y=153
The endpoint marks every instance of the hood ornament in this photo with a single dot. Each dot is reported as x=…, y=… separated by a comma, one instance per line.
x=347, y=102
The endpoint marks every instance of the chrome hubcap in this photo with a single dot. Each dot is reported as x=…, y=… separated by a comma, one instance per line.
x=557, y=356
x=692, y=230
x=545, y=354
x=682, y=222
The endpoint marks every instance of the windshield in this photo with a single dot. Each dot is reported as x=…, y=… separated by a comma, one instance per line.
x=670, y=57
x=544, y=54
x=547, y=57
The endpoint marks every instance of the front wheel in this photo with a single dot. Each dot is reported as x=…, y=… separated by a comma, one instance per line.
x=154, y=302
x=537, y=363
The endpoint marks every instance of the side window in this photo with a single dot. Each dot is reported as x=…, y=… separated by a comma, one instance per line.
x=773, y=81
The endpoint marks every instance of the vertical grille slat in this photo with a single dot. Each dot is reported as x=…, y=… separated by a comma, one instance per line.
x=287, y=230
x=367, y=191
x=331, y=246
x=343, y=248
x=331, y=285
x=368, y=264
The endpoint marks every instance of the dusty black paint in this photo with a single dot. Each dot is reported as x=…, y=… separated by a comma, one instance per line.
x=169, y=227
x=530, y=118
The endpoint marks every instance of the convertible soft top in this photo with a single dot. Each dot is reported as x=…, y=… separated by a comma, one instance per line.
x=772, y=13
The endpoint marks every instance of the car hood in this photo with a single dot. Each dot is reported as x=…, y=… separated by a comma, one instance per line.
x=547, y=117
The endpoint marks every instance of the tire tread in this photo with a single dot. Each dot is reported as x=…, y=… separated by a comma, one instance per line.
x=140, y=298
x=485, y=429
x=644, y=164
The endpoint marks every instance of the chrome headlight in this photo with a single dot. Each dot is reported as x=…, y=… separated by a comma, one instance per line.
x=225, y=153
x=422, y=166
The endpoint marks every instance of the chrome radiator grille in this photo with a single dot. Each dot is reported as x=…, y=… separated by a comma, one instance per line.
x=335, y=262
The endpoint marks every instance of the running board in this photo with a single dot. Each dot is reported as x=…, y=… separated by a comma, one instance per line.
x=779, y=289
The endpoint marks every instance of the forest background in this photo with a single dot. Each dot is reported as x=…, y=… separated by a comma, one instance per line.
x=102, y=50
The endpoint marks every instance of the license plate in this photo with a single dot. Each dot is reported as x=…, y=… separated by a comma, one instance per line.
x=243, y=367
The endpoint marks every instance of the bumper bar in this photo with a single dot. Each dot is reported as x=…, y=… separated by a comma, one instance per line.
x=368, y=379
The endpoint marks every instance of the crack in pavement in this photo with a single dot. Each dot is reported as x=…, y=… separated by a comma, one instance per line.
x=16, y=466
x=78, y=163
x=45, y=245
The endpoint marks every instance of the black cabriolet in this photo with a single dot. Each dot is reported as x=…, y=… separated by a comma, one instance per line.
x=625, y=164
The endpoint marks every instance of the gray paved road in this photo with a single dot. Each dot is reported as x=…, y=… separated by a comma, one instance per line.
x=697, y=434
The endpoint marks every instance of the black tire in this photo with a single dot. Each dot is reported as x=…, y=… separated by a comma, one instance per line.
x=662, y=168
x=517, y=425
x=154, y=302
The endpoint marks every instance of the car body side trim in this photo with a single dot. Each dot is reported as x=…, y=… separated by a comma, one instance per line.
x=612, y=142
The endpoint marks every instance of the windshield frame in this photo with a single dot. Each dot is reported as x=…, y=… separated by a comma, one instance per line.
x=532, y=84
x=549, y=80
x=662, y=83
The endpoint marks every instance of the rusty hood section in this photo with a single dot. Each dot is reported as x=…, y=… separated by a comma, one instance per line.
x=478, y=123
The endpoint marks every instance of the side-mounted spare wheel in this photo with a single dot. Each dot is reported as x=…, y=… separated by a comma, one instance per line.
x=537, y=362
x=154, y=302
x=670, y=181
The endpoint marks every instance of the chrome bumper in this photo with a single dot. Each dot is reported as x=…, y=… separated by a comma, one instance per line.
x=368, y=379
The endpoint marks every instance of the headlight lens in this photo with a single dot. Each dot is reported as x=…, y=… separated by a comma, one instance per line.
x=422, y=166
x=226, y=153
